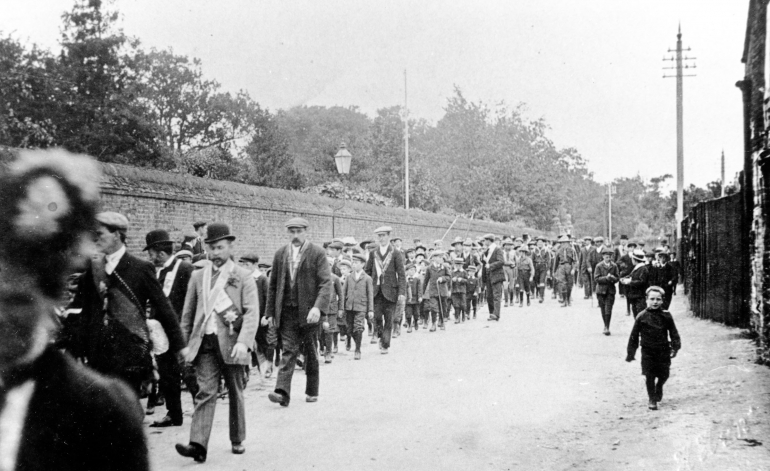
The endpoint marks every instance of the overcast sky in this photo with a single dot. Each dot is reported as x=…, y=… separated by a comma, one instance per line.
x=592, y=69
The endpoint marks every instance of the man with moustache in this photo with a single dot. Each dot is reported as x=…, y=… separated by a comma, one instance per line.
x=298, y=296
x=219, y=322
x=386, y=267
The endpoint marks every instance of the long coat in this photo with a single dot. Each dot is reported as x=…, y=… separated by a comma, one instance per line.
x=79, y=420
x=393, y=278
x=243, y=294
x=140, y=277
x=494, y=273
x=313, y=281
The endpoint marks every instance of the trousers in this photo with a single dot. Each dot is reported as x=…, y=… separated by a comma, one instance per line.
x=297, y=339
x=458, y=303
x=383, y=318
x=606, y=301
x=563, y=277
x=494, y=298
x=209, y=368
x=412, y=314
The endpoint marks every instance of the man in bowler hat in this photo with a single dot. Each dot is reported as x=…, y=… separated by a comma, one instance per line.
x=174, y=276
x=298, y=296
x=219, y=322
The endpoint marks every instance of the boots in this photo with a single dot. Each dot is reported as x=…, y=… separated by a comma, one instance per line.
x=521, y=299
x=335, y=339
x=347, y=343
x=357, y=336
x=527, y=299
x=433, y=326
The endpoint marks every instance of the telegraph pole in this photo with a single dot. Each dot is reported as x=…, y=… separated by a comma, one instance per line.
x=406, y=147
x=680, y=65
x=723, y=172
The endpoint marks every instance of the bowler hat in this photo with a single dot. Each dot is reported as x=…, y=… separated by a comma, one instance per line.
x=158, y=236
x=218, y=231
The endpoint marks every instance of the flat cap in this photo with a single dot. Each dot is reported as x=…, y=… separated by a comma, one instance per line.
x=608, y=251
x=490, y=237
x=345, y=262
x=638, y=254
x=359, y=256
x=297, y=222
x=337, y=245
x=599, y=239
x=198, y=224
x=184, y=253
x=113, y=219
x=349, y=241
x=471, y=268
x=264, y=265
x=397, y=238
x=410, y=266
x=383, y=230
x=437, y=253
x=250, y=257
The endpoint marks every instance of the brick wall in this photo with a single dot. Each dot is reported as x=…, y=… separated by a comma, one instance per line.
x=153, y=199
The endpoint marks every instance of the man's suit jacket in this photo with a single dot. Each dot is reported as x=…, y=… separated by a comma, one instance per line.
x=494, y=273
x=79, y=420
x=243, y=294
x=393, y=278
x=594, y=257
x=179, y=288
x=140, y=277
x=313, y=281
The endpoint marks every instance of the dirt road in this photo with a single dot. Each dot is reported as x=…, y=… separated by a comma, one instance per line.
x=543, y=389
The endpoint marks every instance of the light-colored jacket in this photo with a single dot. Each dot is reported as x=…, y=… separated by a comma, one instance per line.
x=242, y=291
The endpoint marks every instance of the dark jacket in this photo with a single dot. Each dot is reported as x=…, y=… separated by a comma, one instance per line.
x=639, y=283
x=179, y=288
x=605, y=278
x=472, y=286
x=335, y=302
x=139, y=276
x=459, y=280
x=314, y=283
x=79, y=420
x=494, y=273
x=262, y=287
x=358, y=294
x=654, y=328
x=625, y=265
x=413, y=290
x=663, y=276
x=393, y=282
x=437, y=282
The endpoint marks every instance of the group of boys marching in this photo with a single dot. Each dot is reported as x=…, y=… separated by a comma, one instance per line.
x=233, y=315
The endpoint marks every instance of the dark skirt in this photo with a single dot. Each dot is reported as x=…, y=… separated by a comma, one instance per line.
x=656, y=362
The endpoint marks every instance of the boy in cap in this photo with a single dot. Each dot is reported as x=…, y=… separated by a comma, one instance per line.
x=459, y=281
x=541, y=259
x=526, y=272
x=605, y=276
x=471, y=292
x=637, y=282
x=345, y=267
x=655, y=326
x=436, y=280
x=413, y=297
x=358, y=302
x=625, y=265
x=509, y=268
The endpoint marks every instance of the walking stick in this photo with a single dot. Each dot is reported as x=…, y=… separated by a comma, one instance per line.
x=440, y=305
x=450, y=227
x=469, y=224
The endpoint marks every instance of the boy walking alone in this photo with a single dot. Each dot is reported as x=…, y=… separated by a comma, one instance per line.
x=655, y=326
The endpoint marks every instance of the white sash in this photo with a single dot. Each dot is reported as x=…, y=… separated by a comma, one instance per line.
x=212, y=298
x=168, y=282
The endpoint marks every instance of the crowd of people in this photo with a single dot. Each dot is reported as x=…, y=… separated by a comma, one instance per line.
x=194, y=315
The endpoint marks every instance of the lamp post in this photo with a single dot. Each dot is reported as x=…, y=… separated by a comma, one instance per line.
x=342, y=158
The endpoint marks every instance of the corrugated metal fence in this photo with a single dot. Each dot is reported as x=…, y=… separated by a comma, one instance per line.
x=716, y=273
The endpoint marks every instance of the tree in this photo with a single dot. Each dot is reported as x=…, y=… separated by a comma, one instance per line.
x=99, y=116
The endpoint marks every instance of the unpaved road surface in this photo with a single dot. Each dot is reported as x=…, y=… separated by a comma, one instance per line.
x=543, y=389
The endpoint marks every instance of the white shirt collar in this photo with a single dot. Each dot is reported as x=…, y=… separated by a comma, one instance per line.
x=384, y=249
x=111, y=261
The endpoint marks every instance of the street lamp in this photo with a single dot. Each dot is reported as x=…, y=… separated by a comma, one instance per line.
x=343, y=158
